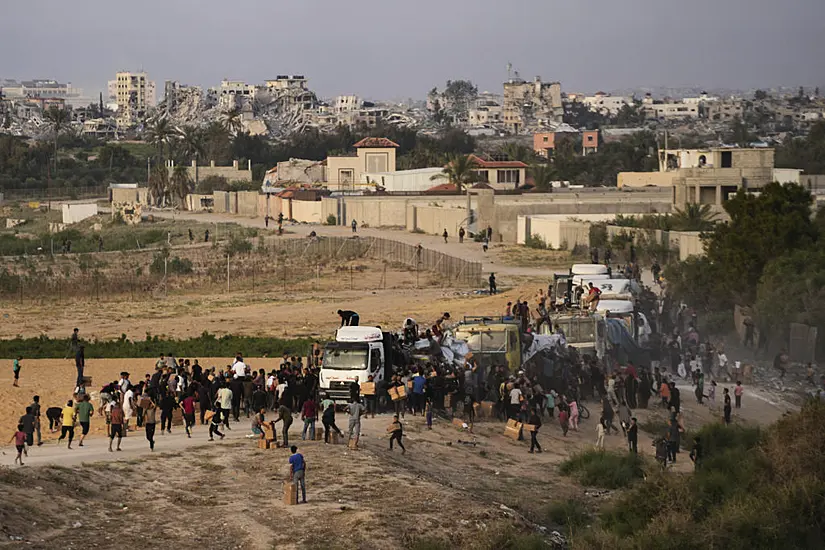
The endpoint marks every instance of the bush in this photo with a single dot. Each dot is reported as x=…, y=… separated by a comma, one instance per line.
x=604, y=469
x=535, y=241
x=570, y=513
x=332, y=220
x=238, y=245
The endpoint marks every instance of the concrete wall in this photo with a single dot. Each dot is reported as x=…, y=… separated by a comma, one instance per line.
x=194, y=202
x=336, y=164
x=435, y=219
x=404, y=180
x=308, y=211
x=687, y=243
x=137, y=195
x=73, y=213
x=786, y=175
x=559, y=231
x=643, y=179
x=248, y=203
x=231, y=173
x=221, y=201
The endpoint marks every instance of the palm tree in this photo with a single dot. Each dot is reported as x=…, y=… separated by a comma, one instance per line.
x=159, y=184
x=181, y=183
x=57, y=119
x=459, y=171
x=160, y=133
x=694, y=217
x=543, y=177
x=232, y=121
x=518, y=151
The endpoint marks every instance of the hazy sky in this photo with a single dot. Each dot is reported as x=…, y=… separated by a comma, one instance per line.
x=394, y=49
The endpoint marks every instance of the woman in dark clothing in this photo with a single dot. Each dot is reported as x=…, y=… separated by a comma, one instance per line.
x=167, y=405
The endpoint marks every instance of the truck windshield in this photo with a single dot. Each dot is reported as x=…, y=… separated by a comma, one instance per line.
x=486, y=341
x=346, y=359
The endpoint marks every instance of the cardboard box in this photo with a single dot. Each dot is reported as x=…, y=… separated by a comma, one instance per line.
x=368, y=388
x=513, y=423
x=528, y=428
x=264, y=444
x=512, y=433
x=448, y=401
x=87, y=380
x=290, y=494
x=319, y=433
x=484, y=409
x=402, y=392
x=334, y=438
x=352, y=443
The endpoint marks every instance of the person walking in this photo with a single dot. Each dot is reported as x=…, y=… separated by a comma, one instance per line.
x=328, y=420
x=354, y=226
x=215, y=424
x=445, y=235
x=492, y=281
x=67, y=429
x=224, y=399
x=149, y=420
x=297, y=472
x=80, y=363
x=396, y=433
x=356, y=410
x=309, y=414
x=116, y=429
x=461, y=234
x=15, y=367
x=563, y=421
x=19, y=440
x=574, y=414
x=27, y=420
x=85, y=411
x=600, y=435
x=535, y=421
x=187, y=405
x=285, y=416
x=167, y=405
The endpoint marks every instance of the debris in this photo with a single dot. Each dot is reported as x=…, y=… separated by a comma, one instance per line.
x=77, y=525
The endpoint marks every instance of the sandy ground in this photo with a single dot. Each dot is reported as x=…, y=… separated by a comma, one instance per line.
x=291, y=314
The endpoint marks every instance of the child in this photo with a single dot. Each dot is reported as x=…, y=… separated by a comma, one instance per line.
x=19, y=439
x=563, y=416
x=215, y=424
x=428, y=412
x=16, y=369
x=396, y=430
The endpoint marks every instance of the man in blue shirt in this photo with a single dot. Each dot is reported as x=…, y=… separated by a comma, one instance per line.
x=297, y=471
x=418, y=393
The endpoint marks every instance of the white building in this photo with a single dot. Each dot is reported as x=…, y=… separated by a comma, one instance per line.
x=134, y=94
x=403, y=180
x=347, y=103
x=606, y=104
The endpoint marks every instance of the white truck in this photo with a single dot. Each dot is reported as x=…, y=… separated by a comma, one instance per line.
x=357, y=352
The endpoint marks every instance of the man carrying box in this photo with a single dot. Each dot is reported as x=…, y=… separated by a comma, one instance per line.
x=297, y=472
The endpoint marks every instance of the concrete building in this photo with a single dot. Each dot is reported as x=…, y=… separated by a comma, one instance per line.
x=233, y=90
x=372, y=155
x=544, y=143
x=606, y=104
x=346, y=103
x=44, y=88
x=407, y=181
x=670, y=111
x=723, y=110
x=229, y=173
x=500, y=174
x=295, y=171
x=132, y=94
x=531, y=104
x=706, y=176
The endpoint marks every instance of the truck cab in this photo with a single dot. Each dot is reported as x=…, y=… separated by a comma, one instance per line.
x=356, y=352
x=493, y=341
x=586, y=333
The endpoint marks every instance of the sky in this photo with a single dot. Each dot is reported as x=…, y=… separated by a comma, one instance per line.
x=397, y=50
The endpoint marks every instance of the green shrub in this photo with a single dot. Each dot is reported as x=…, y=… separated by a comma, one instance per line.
x=604, y=469
x=238, y=245
x=570, y=513
x=535, y=241
x=332, y=220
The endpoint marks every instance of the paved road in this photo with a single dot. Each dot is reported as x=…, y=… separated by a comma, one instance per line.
x=468, y=250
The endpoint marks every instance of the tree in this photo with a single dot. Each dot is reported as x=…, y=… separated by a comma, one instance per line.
x=161, y=134
x=630, y=115
x=543, y=177
x=232, y=121
x=519, y=152
x=217, y=142
x=760, y=95
x=191, y=143
x=694, y=217
x=459, y=171
x=159, y=185
x=58, y=119
x=739, y=133
x=181, y=184
x=459, y=95
x=760, y=228
x=792, y=290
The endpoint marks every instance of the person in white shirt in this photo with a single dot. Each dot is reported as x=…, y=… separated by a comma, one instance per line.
x=239, y=367
x=128, y=410
x=271, y=385
x=124, y=383
x=515, y=402
x=723, y=363
x=224, y=398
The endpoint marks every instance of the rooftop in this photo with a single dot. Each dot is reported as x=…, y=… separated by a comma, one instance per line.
x=375, y=142
x=483, y=163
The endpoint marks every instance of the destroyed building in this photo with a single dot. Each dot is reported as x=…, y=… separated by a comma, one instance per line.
x=531, y=105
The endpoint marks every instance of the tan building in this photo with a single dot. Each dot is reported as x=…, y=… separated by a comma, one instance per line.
x=372, y=155
x=706, y=176
x=531, y=104
x=500, y=174
x=132, y=94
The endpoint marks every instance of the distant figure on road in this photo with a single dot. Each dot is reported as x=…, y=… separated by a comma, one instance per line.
x=206, y=236
x=191, y=236
x=492, y=280
x=461, y=234
x=349, y=318
x=486, y=244
x=489, y=233
x=445, y=235
x=354, y=226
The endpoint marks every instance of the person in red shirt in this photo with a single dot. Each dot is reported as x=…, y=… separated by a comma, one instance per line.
x=188, y=407
x=309, y=414
x=19, y=439
x=737, y=393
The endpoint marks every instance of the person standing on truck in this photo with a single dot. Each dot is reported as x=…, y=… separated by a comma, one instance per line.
x=349, y=318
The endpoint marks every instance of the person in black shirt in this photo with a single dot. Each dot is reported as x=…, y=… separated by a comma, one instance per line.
x=727, y=406
x=675, y=397
x=349, y=318
x=633, y=436
x=535, y=420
